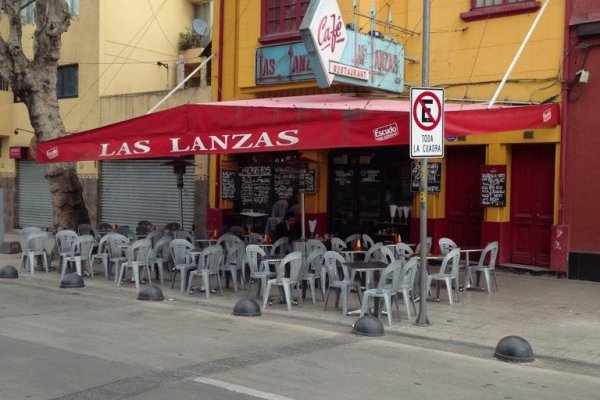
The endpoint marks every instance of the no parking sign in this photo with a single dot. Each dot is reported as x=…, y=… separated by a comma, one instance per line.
x=426, y=122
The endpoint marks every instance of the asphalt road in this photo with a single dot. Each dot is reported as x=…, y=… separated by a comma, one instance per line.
x=78, y=344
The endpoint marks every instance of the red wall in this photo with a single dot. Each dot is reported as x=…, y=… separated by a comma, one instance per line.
x=582, y=179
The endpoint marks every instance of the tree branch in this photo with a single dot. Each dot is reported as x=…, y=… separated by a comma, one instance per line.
x=52, y=19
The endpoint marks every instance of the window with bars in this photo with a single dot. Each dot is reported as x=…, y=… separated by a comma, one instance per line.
x=481, y=9
x=281, y=19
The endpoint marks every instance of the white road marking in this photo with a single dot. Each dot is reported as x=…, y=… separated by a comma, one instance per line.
x=240, y=389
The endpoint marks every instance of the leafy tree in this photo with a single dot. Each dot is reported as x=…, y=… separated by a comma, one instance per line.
x=34, y=82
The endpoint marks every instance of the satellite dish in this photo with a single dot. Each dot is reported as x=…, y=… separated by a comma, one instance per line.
x=200, y=27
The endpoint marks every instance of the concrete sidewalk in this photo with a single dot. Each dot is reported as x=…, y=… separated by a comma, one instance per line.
x=559, y=318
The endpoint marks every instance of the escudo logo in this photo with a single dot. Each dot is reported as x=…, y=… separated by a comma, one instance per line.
x=52, y=153
x=385, y=132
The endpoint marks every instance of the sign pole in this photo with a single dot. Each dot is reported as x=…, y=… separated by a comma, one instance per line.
x=422, y=318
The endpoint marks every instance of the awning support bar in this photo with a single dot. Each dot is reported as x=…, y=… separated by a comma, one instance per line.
x=179, y=85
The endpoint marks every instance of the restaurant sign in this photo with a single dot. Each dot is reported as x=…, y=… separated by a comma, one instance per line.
x=283, y=63
x=342, y=55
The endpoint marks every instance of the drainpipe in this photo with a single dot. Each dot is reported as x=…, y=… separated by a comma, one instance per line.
x=564, y=118
x=219, y=90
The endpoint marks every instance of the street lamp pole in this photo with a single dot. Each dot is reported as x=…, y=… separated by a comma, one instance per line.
x=422, y=318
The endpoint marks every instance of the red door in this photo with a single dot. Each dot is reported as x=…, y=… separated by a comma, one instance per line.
x=532, y=203
x=464, y=213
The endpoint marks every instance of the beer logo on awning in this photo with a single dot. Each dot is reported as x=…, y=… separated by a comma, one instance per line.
x=385, y=132
x=547, y=115
x=52, y=153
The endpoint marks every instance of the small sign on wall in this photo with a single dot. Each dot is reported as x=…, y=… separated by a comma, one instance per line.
x=493, y=185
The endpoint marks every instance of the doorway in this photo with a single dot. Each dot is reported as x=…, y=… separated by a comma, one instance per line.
x=464, y=213
x=532, y=203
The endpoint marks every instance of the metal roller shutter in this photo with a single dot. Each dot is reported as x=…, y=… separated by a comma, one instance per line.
x=135, y=190
x=34, y=198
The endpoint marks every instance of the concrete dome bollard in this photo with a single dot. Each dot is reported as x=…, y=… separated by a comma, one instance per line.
x=368, y=325
x=246, y=307
x=71, y=281
x=150, y=293
x=9, y=272
x=514, y=349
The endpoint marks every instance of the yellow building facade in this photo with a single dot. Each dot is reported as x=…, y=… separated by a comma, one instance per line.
x=472, y=46
x=123, y=57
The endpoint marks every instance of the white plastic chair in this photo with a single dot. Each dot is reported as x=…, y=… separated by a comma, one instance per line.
x=311, y=270
x=25, y=232
x=418, y=248
x=235, y=263
x=137, y=259
x=403, y=251
x=81, y=252
x=314, y=244
x=280, y=246
x=64, y=239
x=407, y=285
x=452, y=258
x=253, y=252
x=294, y=259
x=35, y=246
x=332, y=260
x=277, y=214
x=446, y=244
x=338, y=245
x=208, y=266
x=255, y=238
x=116, y=244
x=351, y=240
x=159, y=255
x=182, y=262
x=489, y=253
x=367, y=241
x=387, y=289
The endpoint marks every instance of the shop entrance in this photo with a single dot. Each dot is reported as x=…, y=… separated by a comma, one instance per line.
x=363, y=183
x=532, y=204
x=464, y=213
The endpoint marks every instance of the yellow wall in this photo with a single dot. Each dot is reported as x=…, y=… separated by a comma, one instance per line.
x=468, y=59
x=116, y=45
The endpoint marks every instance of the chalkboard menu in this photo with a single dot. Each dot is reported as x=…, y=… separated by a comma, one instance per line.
x=229, y=171
x=493, y=185
x=285, y=179
x=255, y=186
x=370, y=175
x=434, y=177
x=310, y=181
x=343, y=177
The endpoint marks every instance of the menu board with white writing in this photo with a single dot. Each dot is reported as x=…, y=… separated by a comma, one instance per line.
x=229, y=180
x=255, y=186
x=285, y=180
x=434, y=177
x=493, y=185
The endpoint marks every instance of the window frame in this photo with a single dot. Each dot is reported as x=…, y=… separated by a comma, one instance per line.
x=60, y=71
x=502, y=10
x=269, y=38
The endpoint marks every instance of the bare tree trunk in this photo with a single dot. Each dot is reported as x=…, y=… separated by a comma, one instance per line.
x=34, y=82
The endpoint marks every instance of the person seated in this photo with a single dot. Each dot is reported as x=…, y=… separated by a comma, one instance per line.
x=288, y=228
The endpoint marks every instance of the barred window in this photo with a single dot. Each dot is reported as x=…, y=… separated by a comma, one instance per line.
x=281, y=19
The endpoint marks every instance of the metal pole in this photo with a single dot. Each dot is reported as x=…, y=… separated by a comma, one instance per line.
x=303, y=228
x=422, y=317
x=518, y=55
x=181, y=207
x=180, y=84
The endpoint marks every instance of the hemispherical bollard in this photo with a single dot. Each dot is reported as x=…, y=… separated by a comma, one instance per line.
x=368, y=325
x=71, y=281
x=246, y=307
x=150, y=293
x=9, y=272
x=514, y=349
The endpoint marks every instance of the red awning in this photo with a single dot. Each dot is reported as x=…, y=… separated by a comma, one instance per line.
x=280, y=124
